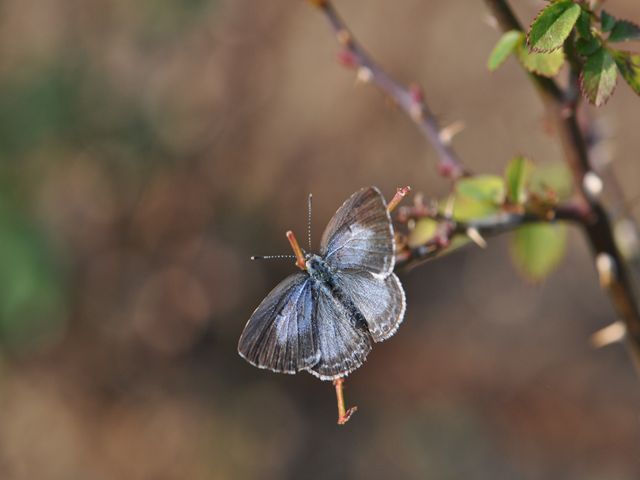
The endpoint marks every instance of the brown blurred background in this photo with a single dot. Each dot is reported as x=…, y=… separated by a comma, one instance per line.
x=148, y=148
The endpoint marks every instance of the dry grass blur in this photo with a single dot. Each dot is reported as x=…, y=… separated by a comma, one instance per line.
x=148, y=148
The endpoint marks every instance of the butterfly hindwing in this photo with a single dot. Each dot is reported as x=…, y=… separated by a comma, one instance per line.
x=380, y=300
x=280, y=335
x=343, y=345
x=360, y=235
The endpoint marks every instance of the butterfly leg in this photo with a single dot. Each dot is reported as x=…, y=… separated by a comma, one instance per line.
x=343, y=414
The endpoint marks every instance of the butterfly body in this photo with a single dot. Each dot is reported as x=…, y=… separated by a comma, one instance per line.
x=326, y=318
x=324, y=277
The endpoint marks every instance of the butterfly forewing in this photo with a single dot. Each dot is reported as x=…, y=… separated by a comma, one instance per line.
x=343, y=346
x=280, y=334
x=380, y=300
x=360, y=234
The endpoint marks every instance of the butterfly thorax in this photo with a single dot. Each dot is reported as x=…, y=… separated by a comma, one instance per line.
x=318, y=269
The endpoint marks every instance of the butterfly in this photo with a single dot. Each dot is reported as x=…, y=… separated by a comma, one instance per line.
x=326, y=318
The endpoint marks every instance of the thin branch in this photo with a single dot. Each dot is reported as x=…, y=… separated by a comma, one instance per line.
x=409, y=99
x=489, y=226
x=598, y=231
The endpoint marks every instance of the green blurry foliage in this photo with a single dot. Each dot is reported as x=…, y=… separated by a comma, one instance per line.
x=585, y=37
x=32, y=297
x=537, y=249
x=516, y=177
x=477, y=197
x=65, y=104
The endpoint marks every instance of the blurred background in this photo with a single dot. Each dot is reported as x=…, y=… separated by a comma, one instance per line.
x=148, y=148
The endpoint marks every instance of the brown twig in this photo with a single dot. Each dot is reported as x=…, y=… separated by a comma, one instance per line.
x=409, y=99
x=343, y=414
x=598, y=231
x=401, y=192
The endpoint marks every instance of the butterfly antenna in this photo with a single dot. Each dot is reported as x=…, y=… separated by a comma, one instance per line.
x=270, y=257
x=309, y=222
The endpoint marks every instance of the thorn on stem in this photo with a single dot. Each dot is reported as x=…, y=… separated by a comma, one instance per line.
x=450, y=131
x=364, y=75
x=592, y=184
x=476, y=238
x=606, y=268
x=611, y=334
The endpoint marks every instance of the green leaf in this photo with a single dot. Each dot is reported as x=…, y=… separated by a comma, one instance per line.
x=583, y=25
x=587, y=47
x=485, y=188
x=424, y=231
x=553, y=25
x=478, y=197
x=507, y=43
x=629, y=67
x=537, y=249
x=607, y=21
x=624, y=30
x=516, y=177
x=546, y=64
x=552, y=176
x=598, y=77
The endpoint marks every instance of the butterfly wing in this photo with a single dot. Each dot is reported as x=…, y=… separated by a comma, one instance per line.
x=380, y=300
x=280, y=336
x=343, y=346
x=360, y=235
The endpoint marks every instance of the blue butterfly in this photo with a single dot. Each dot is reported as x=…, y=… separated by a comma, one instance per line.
x=326, y=318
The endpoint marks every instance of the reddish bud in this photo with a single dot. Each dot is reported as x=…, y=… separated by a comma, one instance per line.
x=346, y=58
x=446, y=169
x=416, y=92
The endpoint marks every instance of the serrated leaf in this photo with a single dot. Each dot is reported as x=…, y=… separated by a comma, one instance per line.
x=478, y=196
x=624, y=30
x=553, y=25
x=598, y=77
x=583, y=25
x=546, y=64
x=424, y=231
x=607, y=21
x=587, y=47
x=537, y=249
x=629, y=67
x=516, y=178
x=507, y=43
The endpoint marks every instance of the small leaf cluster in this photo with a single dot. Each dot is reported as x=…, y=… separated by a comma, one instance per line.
x=536, y=248
x=586, y=37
